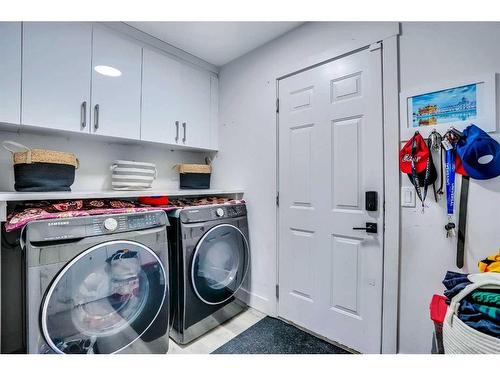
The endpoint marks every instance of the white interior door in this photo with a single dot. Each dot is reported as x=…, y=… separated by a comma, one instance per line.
x=330, y=154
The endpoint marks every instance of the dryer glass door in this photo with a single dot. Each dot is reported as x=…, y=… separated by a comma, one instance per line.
x=104, y=299
x=220, y=263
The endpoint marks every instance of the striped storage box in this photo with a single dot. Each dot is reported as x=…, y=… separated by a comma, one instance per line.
x=132, y=175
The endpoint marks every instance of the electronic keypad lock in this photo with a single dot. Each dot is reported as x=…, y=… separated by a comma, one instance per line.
x=371, y=201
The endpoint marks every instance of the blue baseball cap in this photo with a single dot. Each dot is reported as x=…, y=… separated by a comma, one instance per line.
x=480, y=153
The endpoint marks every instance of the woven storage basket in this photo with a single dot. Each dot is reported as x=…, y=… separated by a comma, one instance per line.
x=132, y=175
x=194, y=176
x=41, y=170
x=458, y=337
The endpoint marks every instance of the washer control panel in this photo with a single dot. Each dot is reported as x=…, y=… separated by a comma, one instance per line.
x=85, y=226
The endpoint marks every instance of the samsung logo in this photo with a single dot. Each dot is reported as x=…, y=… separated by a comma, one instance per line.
x=58, y=223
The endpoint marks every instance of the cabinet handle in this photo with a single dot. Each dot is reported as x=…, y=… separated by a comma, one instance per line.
x=96, y=117
x=83, y=115
x=176, y=131
x=184, y=127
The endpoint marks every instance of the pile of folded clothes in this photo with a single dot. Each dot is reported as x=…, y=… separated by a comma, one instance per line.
x=481, y=308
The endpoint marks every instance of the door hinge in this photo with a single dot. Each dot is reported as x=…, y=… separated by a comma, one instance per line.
x=375, y=46
x=278, y=199
x=277, y=291
x=277, y=105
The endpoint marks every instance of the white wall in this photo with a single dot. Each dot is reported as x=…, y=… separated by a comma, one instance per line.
x=247, y=132
x=432, y=52
x=95, y=157
x=428, y=52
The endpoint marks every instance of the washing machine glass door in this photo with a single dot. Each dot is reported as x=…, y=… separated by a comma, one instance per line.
x=104, y=299
x=220, y=263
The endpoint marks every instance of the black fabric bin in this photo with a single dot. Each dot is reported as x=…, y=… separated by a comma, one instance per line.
x=43, y=177
x=195, y=180
x=194, y=176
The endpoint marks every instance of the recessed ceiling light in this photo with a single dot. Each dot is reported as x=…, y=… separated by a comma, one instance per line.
x=107, y=71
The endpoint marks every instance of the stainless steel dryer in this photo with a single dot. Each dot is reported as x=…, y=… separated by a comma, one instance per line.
x=209, y=258
x=96, y=284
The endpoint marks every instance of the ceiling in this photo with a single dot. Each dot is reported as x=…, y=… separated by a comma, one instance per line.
x=216, y=42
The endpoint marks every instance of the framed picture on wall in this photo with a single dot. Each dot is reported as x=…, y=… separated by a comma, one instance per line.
x=449, y=104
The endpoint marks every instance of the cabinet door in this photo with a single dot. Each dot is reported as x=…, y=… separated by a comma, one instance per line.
x=214, y=112
x=116, y=85
x=161, y=112
x=196, y=107
x=10, y=72
x=56, y=75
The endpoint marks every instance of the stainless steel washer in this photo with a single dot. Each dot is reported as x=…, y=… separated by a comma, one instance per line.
x=97, y=284
x=209, y=257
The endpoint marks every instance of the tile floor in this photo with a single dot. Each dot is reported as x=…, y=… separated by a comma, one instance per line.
x=218, y=336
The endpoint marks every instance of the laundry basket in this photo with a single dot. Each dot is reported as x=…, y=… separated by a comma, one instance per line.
x=458, y=337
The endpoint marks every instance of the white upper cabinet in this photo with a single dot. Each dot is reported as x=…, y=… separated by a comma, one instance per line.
x=56, y=75
x=10, y=72
x=195, y=93
x=161, y=99
x=116, y=85
x=87, y=78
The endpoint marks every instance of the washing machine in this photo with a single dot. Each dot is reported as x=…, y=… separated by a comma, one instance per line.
x=90, y=285
x=209, y=258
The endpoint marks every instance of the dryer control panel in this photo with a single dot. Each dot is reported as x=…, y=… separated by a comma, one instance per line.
x=209, y=213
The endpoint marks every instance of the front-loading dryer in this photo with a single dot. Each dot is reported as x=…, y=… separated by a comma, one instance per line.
x=95, y=285
x=209, y=258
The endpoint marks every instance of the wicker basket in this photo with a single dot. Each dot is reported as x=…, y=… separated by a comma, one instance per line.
x=194, y=176
x=41, y=170
x=458, y=337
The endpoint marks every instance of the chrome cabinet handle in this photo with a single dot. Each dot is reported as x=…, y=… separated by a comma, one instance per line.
x=176, y=131
x=83, y=115
x=96, y=117
x=184, y=127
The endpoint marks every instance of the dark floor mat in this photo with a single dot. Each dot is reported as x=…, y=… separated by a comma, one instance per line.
x=273, y=336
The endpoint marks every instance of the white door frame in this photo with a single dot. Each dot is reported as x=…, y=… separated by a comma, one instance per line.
x=391, y=205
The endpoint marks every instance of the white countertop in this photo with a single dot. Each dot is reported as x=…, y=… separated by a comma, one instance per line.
x=10, y=196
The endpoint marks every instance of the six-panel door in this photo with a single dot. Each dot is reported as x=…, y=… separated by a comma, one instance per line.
x=330, y=154
x=56, y=75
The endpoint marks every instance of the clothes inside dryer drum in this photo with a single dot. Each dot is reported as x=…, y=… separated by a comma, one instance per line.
x=104, y=299
x=219, y=264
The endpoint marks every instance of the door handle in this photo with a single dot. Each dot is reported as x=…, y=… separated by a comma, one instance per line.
x=176, y=131
x=369, y=228
x=184, y=127
x=83, y=115
x=96, y=117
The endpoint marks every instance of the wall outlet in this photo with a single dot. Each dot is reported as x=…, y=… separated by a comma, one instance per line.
x=407, y=196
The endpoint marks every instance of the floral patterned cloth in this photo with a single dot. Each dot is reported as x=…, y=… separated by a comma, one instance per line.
x=41, y=210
